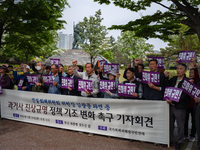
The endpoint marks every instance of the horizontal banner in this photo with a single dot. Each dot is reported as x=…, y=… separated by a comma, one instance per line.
x=142, y=120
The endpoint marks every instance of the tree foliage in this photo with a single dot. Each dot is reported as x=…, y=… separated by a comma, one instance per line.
x=160, y=24
x=96, y=42
x=131, y=46
x=27, y=26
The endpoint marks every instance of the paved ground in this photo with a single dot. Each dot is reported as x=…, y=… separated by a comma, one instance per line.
x=16, y=135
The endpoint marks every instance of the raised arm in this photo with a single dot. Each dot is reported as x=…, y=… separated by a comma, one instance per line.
x=76, y=73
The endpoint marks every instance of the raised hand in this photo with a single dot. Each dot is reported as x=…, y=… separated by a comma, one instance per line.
x=74, y=63
x=118, y=75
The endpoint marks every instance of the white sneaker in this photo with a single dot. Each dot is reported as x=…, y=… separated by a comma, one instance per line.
x=192, y=139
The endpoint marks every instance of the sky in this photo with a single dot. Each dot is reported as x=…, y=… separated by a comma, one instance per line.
x=112, y=15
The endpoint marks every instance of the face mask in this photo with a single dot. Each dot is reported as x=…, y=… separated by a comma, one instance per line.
x=38, y=68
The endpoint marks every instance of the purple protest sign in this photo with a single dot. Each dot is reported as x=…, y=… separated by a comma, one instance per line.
x=67, y=82
x=172, y=93
x=153, y=77
x=101, y=62
x=48, y=79
x=126, y=89
x=85, y=84
x=186, y=56
x=0, y=90
x=32, y=79
x=107, y=68
x=190, y=88
x=106, y=85
x=160, y=61
x=55, y=61
x=21, y=81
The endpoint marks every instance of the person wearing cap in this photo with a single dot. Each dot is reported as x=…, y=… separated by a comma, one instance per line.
x=5, y=80
x=88, y=75
x=10, y=73
x=111, y=76
x=17, y=72
x=25, y=86
x=130, y=74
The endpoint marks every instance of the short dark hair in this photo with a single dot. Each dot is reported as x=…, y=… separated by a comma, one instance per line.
x=192, y=69
x=141, y=65
x=131, y=69
x=48, y=67
x=90, y=64
x=10, y=66
x=181, y=64
x=153, y=60
x=61, y=65
x=56, y=66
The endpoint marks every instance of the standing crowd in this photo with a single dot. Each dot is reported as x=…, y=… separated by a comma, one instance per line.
x=179, y=111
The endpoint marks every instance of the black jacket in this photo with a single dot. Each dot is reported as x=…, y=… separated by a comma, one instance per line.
x=196, y=104
x=136, y=90
x=184, y=99
x=102, y=77
x=152, y=94
x=74, y=91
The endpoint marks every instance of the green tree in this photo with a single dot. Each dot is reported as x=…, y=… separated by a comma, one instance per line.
x=95, y=35
x=131, y=46
x=160, y=24
x=27, y=19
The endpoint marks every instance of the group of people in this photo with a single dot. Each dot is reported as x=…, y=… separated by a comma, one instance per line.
x=179, y=111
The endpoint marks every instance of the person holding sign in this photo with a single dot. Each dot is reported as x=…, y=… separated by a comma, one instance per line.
x=61, y=70
x=112, y=77
x=178, y=109
x=54, y=88
x=88, y=75
x=151, y=91
x=194, y=78
x=139, y=67
x=70, y=91
x=39, y=86
x=197, y=118
x=23, y=84
x=130, y=74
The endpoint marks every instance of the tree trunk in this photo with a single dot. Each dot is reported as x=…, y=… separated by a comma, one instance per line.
x=43, y=55
x=1, y=33
x=198, y=32
x=26, y=55
x=133, y=62
x=91, y=58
